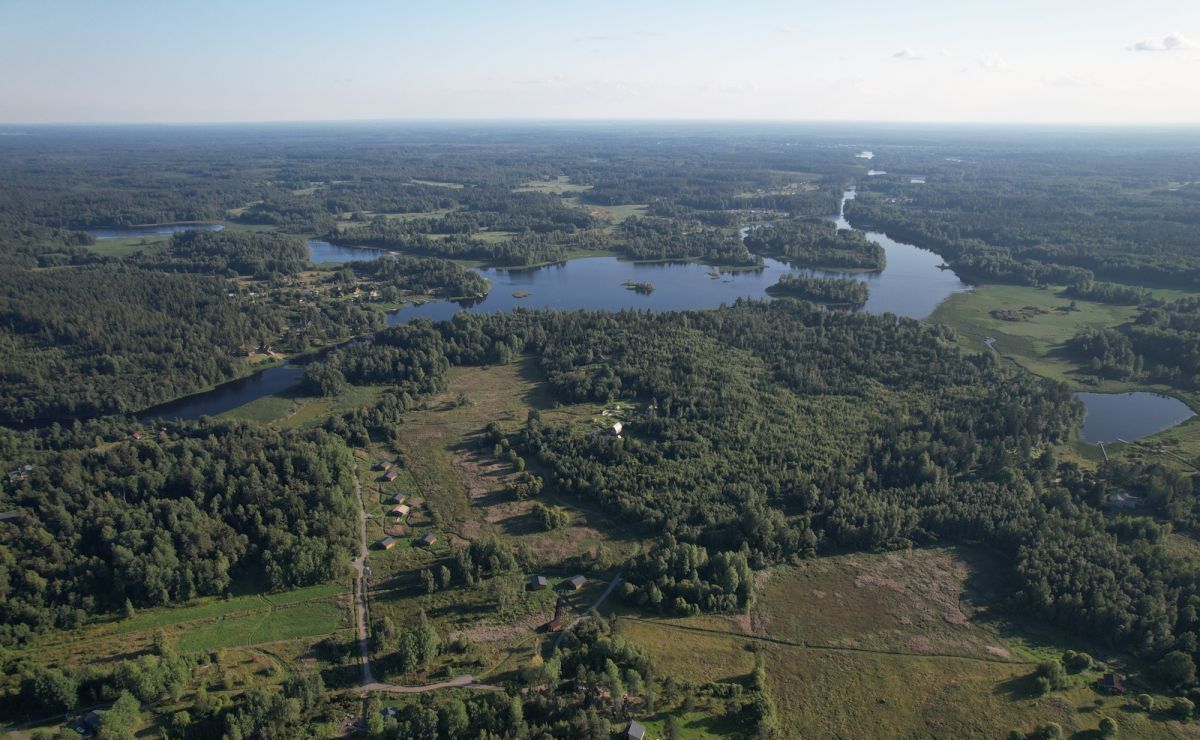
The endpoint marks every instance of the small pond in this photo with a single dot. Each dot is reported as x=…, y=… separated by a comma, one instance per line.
x=1112, y=417
x=322, y=251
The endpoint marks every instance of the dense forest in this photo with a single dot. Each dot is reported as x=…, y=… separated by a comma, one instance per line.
x=107, y=339
x=232, y=254
x=760, y=433
x=845, y=292
x=907, y=442
x=116, y=336
x=178, y=514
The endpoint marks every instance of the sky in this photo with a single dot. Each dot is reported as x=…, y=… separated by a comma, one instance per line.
x=993, y=61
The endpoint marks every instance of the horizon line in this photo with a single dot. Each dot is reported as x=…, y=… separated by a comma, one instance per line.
x=610, y=121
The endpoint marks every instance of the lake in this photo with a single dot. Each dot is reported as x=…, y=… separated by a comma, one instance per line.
x=910, y=285
x=152, y=230
x=1127, y=416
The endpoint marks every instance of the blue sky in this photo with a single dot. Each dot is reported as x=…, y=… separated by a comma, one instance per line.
x=1055, y=61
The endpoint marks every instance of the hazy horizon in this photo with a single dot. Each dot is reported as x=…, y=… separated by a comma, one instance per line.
x=926, y=62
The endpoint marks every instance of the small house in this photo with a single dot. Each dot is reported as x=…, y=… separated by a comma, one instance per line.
x=384, y=465
x=387, y=543
x=1112, y=684
x=137, y=436
x=537, y=583
x=89, y=724
x=399, y=498
x=616, y=429
x=391, y=475
x=635, y=731
x=575, y=582
x=429, y=540
x=554, y=625
x=401, y=510
x=389, y=712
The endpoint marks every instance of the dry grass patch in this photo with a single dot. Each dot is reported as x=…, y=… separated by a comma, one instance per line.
x=916, y=601
x=693, y=656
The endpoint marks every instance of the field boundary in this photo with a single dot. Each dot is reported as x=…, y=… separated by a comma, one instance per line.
x=822, y=647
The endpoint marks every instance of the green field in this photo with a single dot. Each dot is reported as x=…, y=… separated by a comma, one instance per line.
x=901, y=644
x=561, y=184
x=1037, y=344
x=290, y=409
x=307, y=619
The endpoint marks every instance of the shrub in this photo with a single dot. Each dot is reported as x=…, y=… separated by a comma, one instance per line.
x=1108, y=727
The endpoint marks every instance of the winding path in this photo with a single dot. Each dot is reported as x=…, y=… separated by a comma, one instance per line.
x=368, y=682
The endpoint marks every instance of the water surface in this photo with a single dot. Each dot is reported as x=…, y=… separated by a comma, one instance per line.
x=228, y=396
x=322, y=251
x=152, y=230
x=1112, y=417
x=910, y=285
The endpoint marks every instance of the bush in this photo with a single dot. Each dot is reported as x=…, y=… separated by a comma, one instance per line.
x=1049, y=731
x=1041, y=686
x=1076, y=662
x=1053, y=672
x=1146, y=702
x=1108, y=727
x=1183, y=708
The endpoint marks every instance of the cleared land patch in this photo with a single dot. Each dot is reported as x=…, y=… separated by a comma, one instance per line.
x=908, y=602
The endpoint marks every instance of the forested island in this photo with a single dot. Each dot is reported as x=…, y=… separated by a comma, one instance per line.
x=764, y=518
x=816, y=243
x=836, y=291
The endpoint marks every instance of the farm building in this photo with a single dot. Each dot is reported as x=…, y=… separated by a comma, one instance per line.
x=575, y=582
x=429, y=540
x=537, y=583
x=90, y=723
x=635, y=731
x=401, y=510
x=391, y=475
x=1112, y=684
x=386, y=543
x=399, y=498
x=384, y=465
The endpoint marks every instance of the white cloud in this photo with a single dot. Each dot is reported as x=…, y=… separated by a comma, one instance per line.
x=908, y=55
x=946, y=53
x=992, y=62
x=1066, y=81
x=1170, y=42
x=789, y=28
